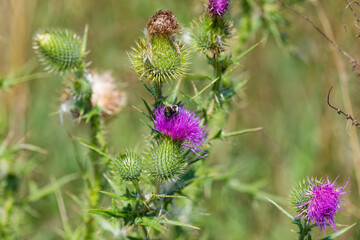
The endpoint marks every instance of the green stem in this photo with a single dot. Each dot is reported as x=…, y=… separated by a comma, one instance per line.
x=157, y=92
x=218, y=73
x=136, y=186
x=97, y=139
x=305, y=231
x=145, y=232
x=5, y=220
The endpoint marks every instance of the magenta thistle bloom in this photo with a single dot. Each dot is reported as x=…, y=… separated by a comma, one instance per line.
x=182, y=126
x=218, y=7
x=323, y=201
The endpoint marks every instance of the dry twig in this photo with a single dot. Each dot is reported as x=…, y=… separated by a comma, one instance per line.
x=339, y=111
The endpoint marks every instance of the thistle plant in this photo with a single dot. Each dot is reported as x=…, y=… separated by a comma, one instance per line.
x=178, y=142
x=89, y=98
x=316, y=202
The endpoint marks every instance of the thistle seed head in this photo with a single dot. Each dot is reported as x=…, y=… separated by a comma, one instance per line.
x=105, y=93
x=163, y=23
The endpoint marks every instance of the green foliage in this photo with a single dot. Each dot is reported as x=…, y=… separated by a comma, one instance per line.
x=165, y=160
x=127, y=167
x=159, y=59
x=60, y=50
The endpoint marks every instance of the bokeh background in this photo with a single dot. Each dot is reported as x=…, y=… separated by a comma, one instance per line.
x=289, y=76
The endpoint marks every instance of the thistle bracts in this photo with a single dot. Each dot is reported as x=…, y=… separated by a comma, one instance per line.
x=81, y=89
x=158, y=56
x=210, y=35
x=59, y=50
x=127, y=167
x=318, y=201
x=165, y=160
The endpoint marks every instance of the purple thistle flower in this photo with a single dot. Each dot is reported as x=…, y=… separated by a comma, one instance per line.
x=183, y=127
x=218, y=7
x=323, y=203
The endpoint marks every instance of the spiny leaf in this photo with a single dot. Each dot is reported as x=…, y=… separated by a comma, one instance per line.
x=201, y=91
x=51, y=188
x=221, y=135
x=337, y=234
x=108, y=213
x=152, y=223
x=280, y=208
x=151, y=113
x=94, y=148
x=177, y=223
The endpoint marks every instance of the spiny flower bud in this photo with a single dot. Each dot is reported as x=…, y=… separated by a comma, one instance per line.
x=158, y=56
x=81, y=88
x=166, y=160
x=105, y=93
x=163, y=23
x=217, y=8
x=210, y=34
x=318, y=201
x=59, y=50
x=127, y=167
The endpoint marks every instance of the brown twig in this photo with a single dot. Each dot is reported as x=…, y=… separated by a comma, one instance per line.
x=352, y=60
x=352, y=10
x=339, y=111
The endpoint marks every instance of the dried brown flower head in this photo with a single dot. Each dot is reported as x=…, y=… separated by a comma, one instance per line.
x=163, y=22
x=105, y=93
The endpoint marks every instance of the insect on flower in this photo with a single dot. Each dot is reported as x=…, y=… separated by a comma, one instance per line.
x=170, y=111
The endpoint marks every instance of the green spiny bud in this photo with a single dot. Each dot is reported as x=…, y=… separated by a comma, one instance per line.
x=166, y=160
x=81, y=88
x=210, y=34
x=59, y=50
x=127, y=167
x=158, y=56
x=299, y=194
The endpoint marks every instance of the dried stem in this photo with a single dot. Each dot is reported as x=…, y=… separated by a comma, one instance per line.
x=339, y=111
x=347, y=55
x=343, y=78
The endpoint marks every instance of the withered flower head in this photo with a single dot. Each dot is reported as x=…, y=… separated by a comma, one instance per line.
x=163, y=22
x=105, y=93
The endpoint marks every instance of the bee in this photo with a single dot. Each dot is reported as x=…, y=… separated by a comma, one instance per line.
x=170, y=111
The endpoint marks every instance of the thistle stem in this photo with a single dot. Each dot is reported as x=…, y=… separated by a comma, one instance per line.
x=4, y=224
x=136, y=186
x=305, y=231
x=218, y=72
x=97, y=139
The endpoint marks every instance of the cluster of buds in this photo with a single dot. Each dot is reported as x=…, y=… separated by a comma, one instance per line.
x=63, y=51
x=168, y=156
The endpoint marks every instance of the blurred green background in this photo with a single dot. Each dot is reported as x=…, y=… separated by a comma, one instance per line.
x=285, y=94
